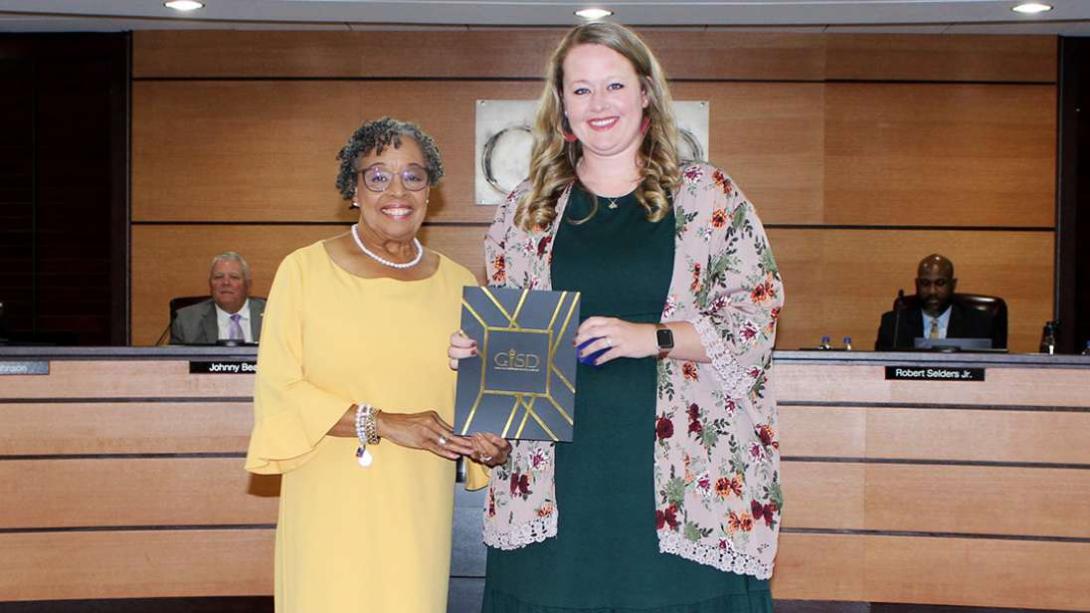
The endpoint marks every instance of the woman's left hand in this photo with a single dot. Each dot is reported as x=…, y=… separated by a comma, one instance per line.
x=489, y=449
x=621, y=339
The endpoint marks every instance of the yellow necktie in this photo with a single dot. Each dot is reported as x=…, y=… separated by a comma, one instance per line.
x=934, y=332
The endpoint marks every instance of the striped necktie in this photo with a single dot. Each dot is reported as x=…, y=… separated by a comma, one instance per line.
x=234, y=329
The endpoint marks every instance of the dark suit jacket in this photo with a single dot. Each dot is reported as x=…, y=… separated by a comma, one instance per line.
x=964, y=323
x=196, y=323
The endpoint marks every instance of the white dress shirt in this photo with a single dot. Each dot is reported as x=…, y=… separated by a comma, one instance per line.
x=944, y=322
x=223, y=321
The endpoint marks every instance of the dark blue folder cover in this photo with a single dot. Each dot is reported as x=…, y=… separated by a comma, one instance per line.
x=522, y=385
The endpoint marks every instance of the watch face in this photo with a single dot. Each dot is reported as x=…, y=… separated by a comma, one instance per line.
x=665, y=338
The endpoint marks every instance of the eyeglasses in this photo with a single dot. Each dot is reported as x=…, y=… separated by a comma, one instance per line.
x=378, y=179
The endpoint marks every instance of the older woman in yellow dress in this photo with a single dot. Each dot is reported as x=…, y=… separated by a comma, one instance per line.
x=353, y=398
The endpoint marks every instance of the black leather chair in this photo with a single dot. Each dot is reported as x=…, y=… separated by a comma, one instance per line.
x=992, y=305
x=180, y=302
x=176, y=303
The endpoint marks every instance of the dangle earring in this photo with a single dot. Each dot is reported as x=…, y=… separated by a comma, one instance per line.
x=568, y=135
x=645, y=124
x=355, y=198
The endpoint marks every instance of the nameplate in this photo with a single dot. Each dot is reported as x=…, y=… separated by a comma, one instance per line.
x=34, y=367
x=933, y=373
x=222, y=368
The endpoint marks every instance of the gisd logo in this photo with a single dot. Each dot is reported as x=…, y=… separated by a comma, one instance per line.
x=513, y=360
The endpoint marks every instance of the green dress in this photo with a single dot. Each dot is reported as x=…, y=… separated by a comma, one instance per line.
x=605, y=556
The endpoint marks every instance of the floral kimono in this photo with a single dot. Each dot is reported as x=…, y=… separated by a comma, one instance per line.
x=716, y=466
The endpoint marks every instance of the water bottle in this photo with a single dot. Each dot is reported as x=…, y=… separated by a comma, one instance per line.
x=1048, y=337
x=826, y=343
x=847, y=343
x=1086, y=350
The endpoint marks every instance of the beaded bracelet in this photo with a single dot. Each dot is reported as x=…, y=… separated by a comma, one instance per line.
x=366, y=432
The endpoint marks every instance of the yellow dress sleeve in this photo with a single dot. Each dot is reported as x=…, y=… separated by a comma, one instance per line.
x=477, y=475
x=291, y=415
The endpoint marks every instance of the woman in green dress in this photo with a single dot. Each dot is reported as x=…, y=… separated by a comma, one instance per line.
x=668, y=500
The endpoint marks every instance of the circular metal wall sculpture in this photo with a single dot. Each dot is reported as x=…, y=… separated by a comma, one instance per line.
x=505, y=158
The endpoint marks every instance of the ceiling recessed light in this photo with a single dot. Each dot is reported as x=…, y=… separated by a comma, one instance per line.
x=1032, y=8
x=593, y=13
x=184, y=5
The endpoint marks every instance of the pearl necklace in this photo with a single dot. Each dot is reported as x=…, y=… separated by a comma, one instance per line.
x=374, y=256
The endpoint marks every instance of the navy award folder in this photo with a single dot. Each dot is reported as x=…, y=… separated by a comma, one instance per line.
x=521, y=385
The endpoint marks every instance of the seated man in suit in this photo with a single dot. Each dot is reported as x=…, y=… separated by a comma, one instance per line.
x=937, y=315
x=230, y=313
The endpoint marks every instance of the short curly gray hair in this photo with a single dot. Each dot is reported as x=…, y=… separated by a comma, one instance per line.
x=376, y=136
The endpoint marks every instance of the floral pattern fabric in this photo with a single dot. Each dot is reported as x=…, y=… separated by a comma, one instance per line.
x=717, y=461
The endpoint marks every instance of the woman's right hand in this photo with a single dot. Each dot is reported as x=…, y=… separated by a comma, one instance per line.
x=461, y=347
x=424, y=430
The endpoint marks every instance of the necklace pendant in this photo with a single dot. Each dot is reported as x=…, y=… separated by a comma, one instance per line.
x=612, y=204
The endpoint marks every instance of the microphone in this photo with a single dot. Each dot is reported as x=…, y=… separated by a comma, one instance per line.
x=163, y=336
x=898, y=306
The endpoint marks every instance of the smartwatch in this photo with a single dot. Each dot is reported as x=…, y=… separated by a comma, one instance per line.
x=665, y=338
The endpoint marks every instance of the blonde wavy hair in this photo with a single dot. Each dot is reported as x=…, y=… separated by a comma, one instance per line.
x=553, y=160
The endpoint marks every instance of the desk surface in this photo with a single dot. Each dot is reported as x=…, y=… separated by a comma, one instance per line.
x=944, y=492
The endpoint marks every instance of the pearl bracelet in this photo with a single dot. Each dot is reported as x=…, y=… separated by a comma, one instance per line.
x=366, y=432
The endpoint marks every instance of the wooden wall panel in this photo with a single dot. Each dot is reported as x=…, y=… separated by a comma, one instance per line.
x=88, y=565
x=978, y=572
x=522, y=53
x=935, y=498
x=513, y=53
x=1004, y=387
x=931, y=434
x=824, y=495
x=737, y=55
x=832, y=432
x=969, y=499
x=981, y=436
x=125, y=427
x=969, y=572
x=839, y=282
x=202, y=144
x=940, y=155
x=173, y=261
x=819, y=567
x=986, y=152
x=912, y=57
x=492, y=52
x=240, y=151
x=966, y=138
x=253, y=173
x=770, y=138
x=134, y=492
x=832, y=547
